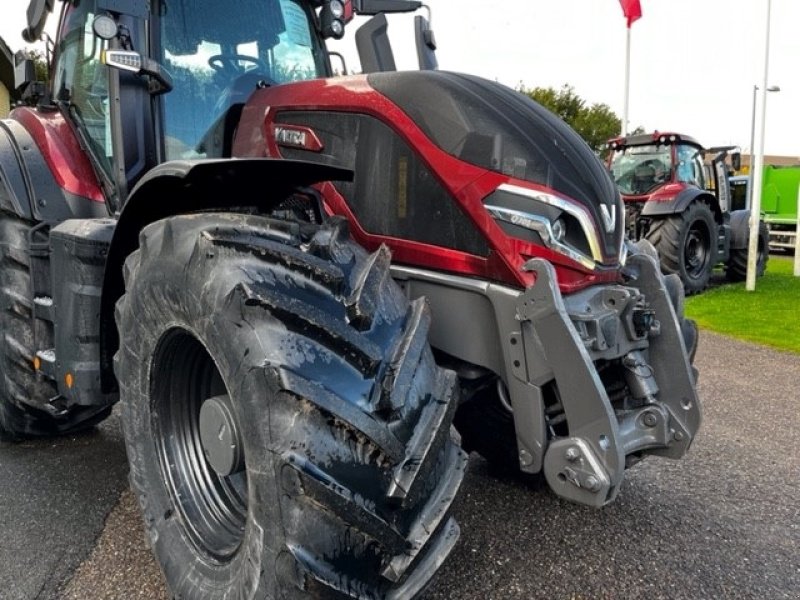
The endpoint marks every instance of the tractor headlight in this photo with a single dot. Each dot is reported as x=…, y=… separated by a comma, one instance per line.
x=548, y=220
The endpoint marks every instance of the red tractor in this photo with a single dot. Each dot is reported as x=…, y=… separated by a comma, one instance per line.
x=293, y=284
x=682, y=205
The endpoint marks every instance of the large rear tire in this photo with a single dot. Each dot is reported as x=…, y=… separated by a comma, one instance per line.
x=736, y=269
x=686, y=243
x=25, y=395
x=287, y=429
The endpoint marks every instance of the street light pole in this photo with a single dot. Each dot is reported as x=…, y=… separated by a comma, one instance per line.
x=755, y=208
x=772, y=88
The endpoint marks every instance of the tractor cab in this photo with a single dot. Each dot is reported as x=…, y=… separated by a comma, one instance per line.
x=643, y=165
x=143, y=83
x=218, y=54
x=184, y=68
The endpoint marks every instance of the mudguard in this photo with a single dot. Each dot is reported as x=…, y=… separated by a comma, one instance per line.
x=180, y=187
x=679, y=203
x=28, y=184
x=14, y=193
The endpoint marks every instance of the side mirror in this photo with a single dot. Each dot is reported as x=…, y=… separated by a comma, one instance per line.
x=133, y=62
x=38, y=10
x=426, y=44
x=27, y=88
x=736, y=161
x=24, y=71
x=375, y=7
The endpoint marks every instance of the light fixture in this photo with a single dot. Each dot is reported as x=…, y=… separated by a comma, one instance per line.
x=332, y=18
x=337, y=9
x=104, y=27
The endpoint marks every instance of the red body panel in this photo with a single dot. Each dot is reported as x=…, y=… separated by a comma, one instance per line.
x=468, y=184
x=61, y=151
x=663, y=193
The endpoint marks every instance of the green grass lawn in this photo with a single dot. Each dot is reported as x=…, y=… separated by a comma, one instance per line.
x=770, y=315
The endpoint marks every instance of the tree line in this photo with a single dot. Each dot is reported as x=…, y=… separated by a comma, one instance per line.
x=596, y=123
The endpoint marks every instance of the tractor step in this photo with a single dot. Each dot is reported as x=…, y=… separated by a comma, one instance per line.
x=43, y=308
x=45, y=362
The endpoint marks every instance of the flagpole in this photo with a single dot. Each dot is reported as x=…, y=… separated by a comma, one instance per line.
x=627, y=81
x=758, y=170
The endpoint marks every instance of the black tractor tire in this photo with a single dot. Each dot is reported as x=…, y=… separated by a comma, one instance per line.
x=736, y=268
x=687, y=245
x=676, y=293
x=24, y=393
x=287, y=428
x=486, y=427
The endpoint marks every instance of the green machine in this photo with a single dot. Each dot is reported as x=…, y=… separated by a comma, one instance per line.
x=779, y=194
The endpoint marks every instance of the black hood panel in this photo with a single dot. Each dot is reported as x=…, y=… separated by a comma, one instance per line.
x=490, y=125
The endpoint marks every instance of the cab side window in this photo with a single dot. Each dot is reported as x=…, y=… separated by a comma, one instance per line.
x=690, y=165
x=81, y=80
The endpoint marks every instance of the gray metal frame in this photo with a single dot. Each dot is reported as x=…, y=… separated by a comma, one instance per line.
x=533, y=337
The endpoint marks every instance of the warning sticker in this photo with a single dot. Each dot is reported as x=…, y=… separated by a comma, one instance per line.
x=296, y=23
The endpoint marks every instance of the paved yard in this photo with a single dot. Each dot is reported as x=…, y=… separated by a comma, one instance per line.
x=723, y=523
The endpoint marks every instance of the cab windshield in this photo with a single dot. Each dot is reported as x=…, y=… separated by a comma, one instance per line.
x=638, y=170
x=219, y=53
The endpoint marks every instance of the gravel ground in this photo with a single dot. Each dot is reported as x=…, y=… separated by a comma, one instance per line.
x=120, y=565
x=722, y=523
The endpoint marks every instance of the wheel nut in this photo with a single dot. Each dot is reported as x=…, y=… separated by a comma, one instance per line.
x=572, y=454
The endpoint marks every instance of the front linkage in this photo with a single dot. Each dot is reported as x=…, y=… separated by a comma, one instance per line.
x=620, y=364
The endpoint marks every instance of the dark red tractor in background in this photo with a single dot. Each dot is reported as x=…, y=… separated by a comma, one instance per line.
x=677, y=196
x=293, y=284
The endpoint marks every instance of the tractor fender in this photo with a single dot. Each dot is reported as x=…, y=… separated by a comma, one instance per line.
x=181, y=187
x=740, y=229
x=678, y=204
x=14, y=180
x=28, y=184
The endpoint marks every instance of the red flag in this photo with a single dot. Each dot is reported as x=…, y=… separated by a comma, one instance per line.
x=632, y=10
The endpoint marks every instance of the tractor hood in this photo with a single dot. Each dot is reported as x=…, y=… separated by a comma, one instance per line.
x=452, y=172
x=492, y=126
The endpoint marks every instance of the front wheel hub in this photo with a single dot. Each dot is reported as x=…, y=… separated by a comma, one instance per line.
x=220, y=436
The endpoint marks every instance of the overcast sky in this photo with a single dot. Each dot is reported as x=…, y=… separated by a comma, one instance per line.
x=694, y=62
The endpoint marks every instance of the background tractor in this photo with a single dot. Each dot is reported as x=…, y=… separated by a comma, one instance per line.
x=677, y=196
x=293, y=284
